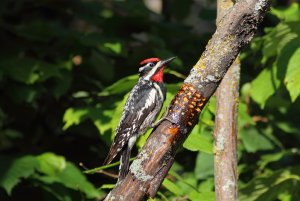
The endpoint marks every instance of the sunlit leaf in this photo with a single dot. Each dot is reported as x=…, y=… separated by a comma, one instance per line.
x=51, y=164
x=197, y=142
x=12, y=170
x=74, y=116
x=172, y=187
x=287, y=127
x=100, y=117
x=264, y=86
x=277, y=38
x=114, y=47
x=107, y=186
x=122, y=86
x=72, y=178
x=207, y=196
x=291, y=13
x=292, y=77
x=244, y=119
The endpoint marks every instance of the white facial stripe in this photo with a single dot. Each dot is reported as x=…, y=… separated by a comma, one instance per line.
x=159, y=91
x=153, y=71
x=144, y=66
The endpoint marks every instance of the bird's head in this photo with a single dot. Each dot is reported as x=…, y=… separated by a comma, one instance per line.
x=153, y=68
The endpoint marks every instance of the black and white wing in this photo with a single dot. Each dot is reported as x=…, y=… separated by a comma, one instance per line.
x=140, y=106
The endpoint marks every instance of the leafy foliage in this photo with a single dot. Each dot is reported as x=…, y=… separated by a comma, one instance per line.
x=12, y=170
x=280, y=46
x=65, y=72
x=47, y=168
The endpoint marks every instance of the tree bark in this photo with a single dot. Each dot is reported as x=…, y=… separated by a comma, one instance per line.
x=152, y=164
x=225, y=133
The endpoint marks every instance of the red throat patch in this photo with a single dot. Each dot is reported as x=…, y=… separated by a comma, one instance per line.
x=159, y=76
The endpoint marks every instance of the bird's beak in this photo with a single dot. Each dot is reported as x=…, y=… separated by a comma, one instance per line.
x=159, y=66
x=163, y=63
x=166, y=61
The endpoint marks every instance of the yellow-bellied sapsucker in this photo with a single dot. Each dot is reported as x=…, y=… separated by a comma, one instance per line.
x=141, y=109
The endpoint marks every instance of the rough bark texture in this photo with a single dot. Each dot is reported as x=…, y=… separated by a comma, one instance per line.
x=156, y=157
x=225, y=133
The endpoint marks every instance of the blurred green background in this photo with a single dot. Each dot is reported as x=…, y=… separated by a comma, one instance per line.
x=67, y=66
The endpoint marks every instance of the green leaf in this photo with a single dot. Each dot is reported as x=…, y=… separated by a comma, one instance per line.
x=100, y=117
x=287, y=127
x=72, y=178
x=204, y=165
x=172, y=187
x=206, y=117
x=207, y=196
x=290, y=13
x=268, y=79
x=107, y=186
x=269, y=158
x=254, y=141
x=207, y=185
x=123, y=85
x=268, y=131
x=98, y=169
x=197, y=142
x=270, y=186
x=74, y=116
x=244, y=119
x=292, y=77
x=12, y=170
x=114, y=47
x=276, y=38
x=186, y=182
x=29, y=71
x=51, y=164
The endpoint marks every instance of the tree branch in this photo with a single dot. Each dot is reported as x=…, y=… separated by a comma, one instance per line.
x=225, y=135
x=150, y=167
x=225, y=132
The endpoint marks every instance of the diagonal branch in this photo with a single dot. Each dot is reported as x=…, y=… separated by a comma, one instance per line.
x=150, y=167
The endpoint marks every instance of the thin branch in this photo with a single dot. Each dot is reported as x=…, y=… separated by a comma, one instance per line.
x=225, y=133
x=152, y=164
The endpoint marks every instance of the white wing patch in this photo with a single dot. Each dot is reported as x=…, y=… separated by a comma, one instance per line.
x=151, y=98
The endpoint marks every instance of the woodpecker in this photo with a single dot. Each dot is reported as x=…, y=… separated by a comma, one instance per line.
x=141, y=109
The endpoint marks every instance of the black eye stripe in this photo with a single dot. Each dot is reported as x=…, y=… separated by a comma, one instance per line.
x=151, y=64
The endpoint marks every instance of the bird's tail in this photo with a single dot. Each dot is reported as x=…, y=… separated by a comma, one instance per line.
x=111, y=154
x=124, y=163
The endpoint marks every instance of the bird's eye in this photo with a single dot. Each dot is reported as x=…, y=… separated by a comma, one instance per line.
x=151, y=64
